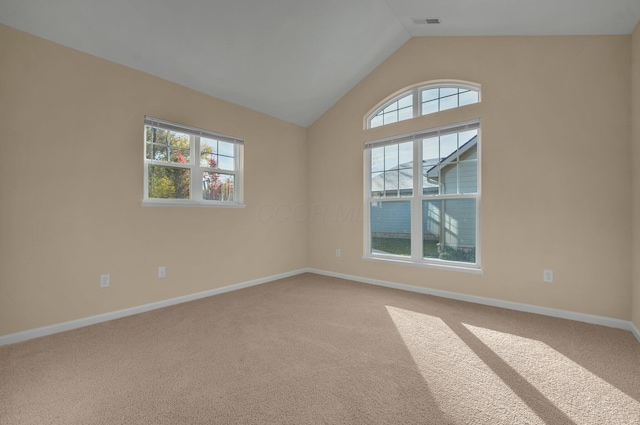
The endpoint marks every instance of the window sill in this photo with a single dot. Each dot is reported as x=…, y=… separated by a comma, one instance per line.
x=431, y=265
x=189, y=203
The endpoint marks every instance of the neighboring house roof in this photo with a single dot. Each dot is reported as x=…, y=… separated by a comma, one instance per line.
x=433, y=171
x=403, y=179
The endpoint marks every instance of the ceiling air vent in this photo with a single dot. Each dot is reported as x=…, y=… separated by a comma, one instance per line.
x=423, y=21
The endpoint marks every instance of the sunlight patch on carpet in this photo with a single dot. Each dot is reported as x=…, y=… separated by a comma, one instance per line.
x=462, y=384
x=584, y=397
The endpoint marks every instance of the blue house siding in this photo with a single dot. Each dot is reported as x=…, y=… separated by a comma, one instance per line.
x=458, y=217
x=391, y=219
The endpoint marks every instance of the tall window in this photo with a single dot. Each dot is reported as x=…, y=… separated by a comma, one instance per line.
x=188, y=166
x=422, y=100
x=423, y=196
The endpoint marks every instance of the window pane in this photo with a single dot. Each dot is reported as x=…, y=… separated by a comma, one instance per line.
x=468, y=176
x=466, y=136
x=208, y=145
x=405, y=181
x=149, y=133
x=377, y=185
x=393, y=106
x=392, y=170
x=468, y=97
x=216, y=154
x=449, y=229
x=405, y=101
x=168, y=182
x=430, y=107
x=208, y=151
x=448, y=91
x=157, y=152
x=390, y=183
x=170, y=146
x=430, y=94
x=405, y=153
x=217, y=187
x=405, y=114
x=391, y=228
x=376, y=121
x=448, y=103
x=431, y=151
x=441, y=168
x=434, y=100
x=208, y=160
x=180, y=155
x=448, y=145
x=390, y=117
x=226, y=163
x=179, y=140
x=225, y=149
x=391, y=157
x=377, y=159
x=405, y=168
x=449, y=178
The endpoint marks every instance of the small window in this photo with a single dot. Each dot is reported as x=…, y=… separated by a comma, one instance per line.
x=422, y=100
x=397, y=110
x=188, y=166
x=442, y=98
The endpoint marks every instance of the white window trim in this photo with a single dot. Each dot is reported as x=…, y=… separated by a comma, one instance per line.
x=416, y=259
x=188, y=203
x=195, y=189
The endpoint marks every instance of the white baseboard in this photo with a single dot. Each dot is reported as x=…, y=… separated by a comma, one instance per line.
x=635, y=331
x=545, y=311
x=79, y=323
x=74, y=324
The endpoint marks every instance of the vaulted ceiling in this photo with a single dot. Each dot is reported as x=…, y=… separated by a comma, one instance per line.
x=292, y=59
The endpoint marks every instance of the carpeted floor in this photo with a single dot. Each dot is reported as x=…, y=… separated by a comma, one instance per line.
x=317, y=350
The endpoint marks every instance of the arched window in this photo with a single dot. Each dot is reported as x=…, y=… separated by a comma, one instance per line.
x=422, y=190
x=424, y=99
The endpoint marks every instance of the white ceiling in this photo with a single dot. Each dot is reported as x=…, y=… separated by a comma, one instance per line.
x=292, y=59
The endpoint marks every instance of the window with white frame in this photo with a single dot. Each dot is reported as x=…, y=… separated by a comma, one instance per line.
x=188, y=166
x=422, y=197
x=422, y=100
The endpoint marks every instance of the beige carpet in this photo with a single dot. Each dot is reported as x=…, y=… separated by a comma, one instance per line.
x=317, y=350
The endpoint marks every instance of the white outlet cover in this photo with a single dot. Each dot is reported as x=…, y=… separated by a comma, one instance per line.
x=547, y=276
x=105, y=281
x=162, y=272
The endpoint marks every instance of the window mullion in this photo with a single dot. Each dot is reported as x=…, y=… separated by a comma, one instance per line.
x=237, y=179
x=368, y=200
x=416, y=202
x=196, y=170
x=146, y=179
x=167, y=164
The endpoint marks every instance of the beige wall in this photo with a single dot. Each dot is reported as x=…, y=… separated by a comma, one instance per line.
x=556, y=177
x=635, y=143
x=71, y=128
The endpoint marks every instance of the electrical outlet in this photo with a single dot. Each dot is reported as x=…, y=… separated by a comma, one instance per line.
x=162, y=272
x=338, y=252
x=547, y=276
x=105, y=280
